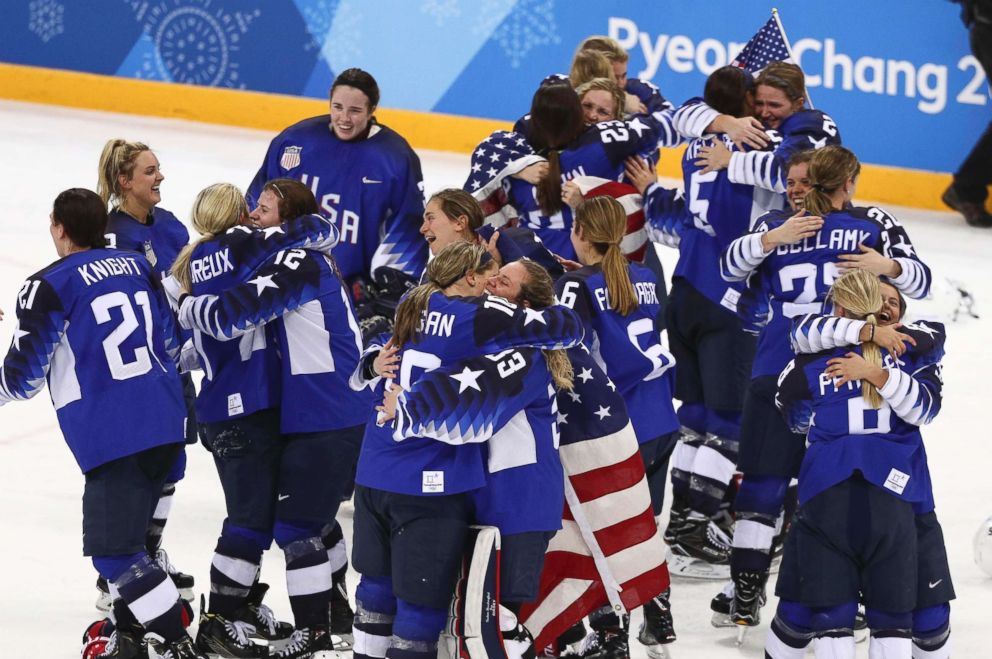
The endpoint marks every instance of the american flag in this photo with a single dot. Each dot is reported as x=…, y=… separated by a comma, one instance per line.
x=768, y=45
x=608, y=550
x=499, y=156
x=635, y=240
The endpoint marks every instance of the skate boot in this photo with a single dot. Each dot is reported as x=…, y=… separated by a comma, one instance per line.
x=306, y=643
x=342, y=617
x=658, y=628
x=749, y=597
x=184, y=582
x=608, y=642
x=220, y=637
x=721, y=604
x=261, y=618
x=103, y=600
x=703, y=540
x=183, y=648
x=676, y=519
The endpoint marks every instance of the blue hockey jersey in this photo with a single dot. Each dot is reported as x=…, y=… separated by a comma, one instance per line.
x=240, y=376
x=454, y=329
x=97, y=325
x=507, y=401
x=628, y=348
x=160, y=239
x=846, y=435
x=794, y=279
x=599, y=151
x=372, y=189
x=318, y=337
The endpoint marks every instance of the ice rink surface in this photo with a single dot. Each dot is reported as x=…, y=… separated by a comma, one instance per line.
x=47, y=585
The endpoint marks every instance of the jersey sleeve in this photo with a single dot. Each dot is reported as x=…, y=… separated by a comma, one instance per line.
x=817, y=332
x=768, y=169
x=283, y=284
x=402, y=247
x=665, y=214
x=693, y=118
x=641, y=135
x=500, y=325
x=793, y=398
x=915, y=279
x=466, y=402
x=659, y=108
x=744, y=255
x=915, y=397
x=37, y=333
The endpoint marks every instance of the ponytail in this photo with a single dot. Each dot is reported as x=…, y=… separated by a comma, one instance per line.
x=859, y=294
x=549, y=187
x=829, y=168
x=604, y=222
x=117, y=159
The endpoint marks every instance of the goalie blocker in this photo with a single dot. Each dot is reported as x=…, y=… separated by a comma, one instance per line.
x=478, y=627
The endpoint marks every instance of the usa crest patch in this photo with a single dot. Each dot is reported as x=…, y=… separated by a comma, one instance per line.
x=290, y=157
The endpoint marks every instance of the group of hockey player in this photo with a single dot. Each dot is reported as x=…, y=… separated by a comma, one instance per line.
x=429, y=360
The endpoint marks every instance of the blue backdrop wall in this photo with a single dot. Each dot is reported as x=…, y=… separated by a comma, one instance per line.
x=897, y=75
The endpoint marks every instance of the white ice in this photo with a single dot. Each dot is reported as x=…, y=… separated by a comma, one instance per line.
x=47, y=585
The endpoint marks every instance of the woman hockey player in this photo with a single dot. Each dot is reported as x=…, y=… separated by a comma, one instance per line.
x=284, y=427
x=96, y=323
x=412, y=506
x=129, y=181
x=790, y=263
x=865, y=455
x=364, y=175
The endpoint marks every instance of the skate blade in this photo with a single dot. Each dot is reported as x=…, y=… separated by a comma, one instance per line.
x=332, y=654
x=741, y=635
x=722, y=620
x=657, y=651
x=187, y=594
x=693, y=568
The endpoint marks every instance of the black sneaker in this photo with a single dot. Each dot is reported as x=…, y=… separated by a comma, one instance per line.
x=703, y=540
x=608, y=643
x=183, y=648
x=261, y=617
x=658, y=627
x=974, y=213
x=342, y=615
x=304, y=643
x=749, y=597
x=220, y=637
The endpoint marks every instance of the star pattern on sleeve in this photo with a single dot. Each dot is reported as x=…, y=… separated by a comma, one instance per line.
x=262, y=282
x=467, y=379
x=18, y=335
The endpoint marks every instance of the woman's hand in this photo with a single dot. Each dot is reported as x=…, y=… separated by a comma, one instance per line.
x=640, y=173
x=532, y=173
x=633, y=105
x=387, y=361
x=871, y=261
x=568, y=264
x=744, y=131
x=387, y=411
x=853, y=366
x=713, y=158
x=889, y=338
x=798, y=227
x=494, y=250
x=571, y=195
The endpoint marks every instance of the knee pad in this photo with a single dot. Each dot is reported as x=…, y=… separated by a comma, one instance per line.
x=286, y=533
x=799, y=618
x=723, y=423
x=418, y=623
x=693, y=417
x=840, y=616
x=112, y=567
x=762, y=494
x=931, y=621
x=886, y=620
x=245, y=538
x=376, y=594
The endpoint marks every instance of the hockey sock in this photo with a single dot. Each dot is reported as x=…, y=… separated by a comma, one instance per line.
x=337, y=550
x=153, y=599
x=712, y=471
x=759, y=502
x=308, y=581
x=234, y=568
x=156, y=526
x=375, y=610
x=692, y=417
x=891, y=634
x=415, y=631
x=834, y=644
x=932, y=632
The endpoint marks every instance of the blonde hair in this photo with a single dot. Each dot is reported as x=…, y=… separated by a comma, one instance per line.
x=829, y=168
x=538, y=290
x=604, y=223
x=589, y=64
x=604, y=44
x=859, y=293
x=216, y=209
x=451, y=264
x=606, y=85
x=117, y=159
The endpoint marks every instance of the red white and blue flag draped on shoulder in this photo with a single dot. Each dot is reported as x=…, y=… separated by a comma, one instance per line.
x=609, y=550
x=769, y=45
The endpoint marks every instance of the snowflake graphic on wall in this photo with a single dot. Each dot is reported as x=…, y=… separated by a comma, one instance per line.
x=45, y=19
x=441, y=10
x=344, y=41
x=194, y=42
x=531, y=23
x=317, y=17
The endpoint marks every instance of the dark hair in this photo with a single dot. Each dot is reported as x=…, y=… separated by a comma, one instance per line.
x=295, y=199
x=360, y=80
x=798, y=158
x=555, y=120
x=829, y=168
x=455, y=203
x=83, y=215
x=727, y=89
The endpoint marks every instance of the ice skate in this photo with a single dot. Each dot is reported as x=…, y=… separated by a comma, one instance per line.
x=261, y=618
x=220, y=637
x=183, y=648
x=342, y=617
x=658, y=629
x=184, y=582
x=704, y=540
